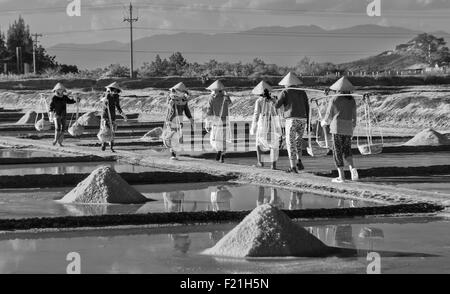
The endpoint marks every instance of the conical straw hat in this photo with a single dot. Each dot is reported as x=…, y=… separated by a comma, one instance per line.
x=217, y=85
x=259, y=89
x=179, y=87
x=290, y=80
x=343, y=85
x=59, y=86
x=114, y=85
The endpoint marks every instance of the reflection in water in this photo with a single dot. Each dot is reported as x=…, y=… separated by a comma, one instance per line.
x=173, y=201
x=216, y=236
x=181, y=242
x=273, y=198
x=371, y=237
x=221, y=199
x=295, y=202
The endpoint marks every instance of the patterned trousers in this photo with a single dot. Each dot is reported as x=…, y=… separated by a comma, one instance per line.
x=342, y=148
x=295, y=128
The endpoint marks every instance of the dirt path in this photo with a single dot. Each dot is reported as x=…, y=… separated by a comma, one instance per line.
x=305, y=181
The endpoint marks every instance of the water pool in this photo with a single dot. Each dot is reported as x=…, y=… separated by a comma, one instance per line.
x=25, y=203
x=177, y=251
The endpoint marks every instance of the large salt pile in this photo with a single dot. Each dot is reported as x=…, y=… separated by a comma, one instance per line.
x=89, y=119
x=28, y=118
x=268, y=232
x=428, y=137
x=153, y=135
x=104, y=186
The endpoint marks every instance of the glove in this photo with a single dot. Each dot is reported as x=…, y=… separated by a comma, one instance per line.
x=323, y=123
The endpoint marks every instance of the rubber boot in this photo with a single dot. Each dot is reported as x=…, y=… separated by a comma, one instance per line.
x=218, y=155
x=300, y=165
x=222, y=157
x=103, y=146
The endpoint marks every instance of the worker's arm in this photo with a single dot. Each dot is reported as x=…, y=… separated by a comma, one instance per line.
x=281, y=100
x=329, y=114
x=355, y=115
x=69, y=100
x=255, y=119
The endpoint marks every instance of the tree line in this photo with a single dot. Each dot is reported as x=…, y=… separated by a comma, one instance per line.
x=19, y=35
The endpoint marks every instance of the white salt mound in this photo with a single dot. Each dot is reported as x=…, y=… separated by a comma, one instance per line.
x=268, y=232
x=153, y=135
x=89, y=119
x=28, y=118
x=104, y=186
x=428, y=137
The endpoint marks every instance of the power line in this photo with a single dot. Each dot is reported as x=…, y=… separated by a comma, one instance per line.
x=242, y=53
x=328, y=34
x=240, y=10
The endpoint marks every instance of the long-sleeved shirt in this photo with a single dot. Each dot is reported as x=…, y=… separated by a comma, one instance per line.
x=177, y=107
x=59, y=105
x=113, y=102
x=295, y=102
x=263, y=107
x=218, y=106
x=341, y=115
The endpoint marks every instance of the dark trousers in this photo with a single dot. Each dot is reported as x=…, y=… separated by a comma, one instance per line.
x=342, y=149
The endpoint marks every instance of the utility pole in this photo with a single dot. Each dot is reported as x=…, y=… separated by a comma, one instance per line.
x=35, y=43
x=130, y=20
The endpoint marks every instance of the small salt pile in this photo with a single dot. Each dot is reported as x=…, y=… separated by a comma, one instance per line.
x=89, y=119
x=268, y=232
x=428, y=137
x=28, y=118
x=104, y=186
x=153, y=135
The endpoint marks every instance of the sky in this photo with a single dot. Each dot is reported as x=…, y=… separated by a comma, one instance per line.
x=102, y=20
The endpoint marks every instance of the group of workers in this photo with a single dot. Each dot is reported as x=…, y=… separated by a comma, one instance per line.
x=292, y=106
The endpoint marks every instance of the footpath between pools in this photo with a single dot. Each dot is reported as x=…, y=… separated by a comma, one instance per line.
x=305, y=182
x=394, y=200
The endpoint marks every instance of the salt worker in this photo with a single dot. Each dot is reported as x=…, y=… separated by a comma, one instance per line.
x=266, y=124
x=177, y=103
x=296, y=108
x=341, y=116
x=111, y=102
x=58, y=111
x=217, y=118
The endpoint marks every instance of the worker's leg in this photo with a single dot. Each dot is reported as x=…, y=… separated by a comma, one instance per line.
x=338, y=157
x=291, y=143
x=300, y=127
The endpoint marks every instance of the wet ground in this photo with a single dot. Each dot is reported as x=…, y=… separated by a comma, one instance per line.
x=438, y=184
x=25, y=203
x=69, y=168
x=315, y=164
x=178, y=250
x=27, y=153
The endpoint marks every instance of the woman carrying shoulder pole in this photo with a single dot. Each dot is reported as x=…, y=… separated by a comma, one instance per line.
x=58, y=111
x=296, y=106
x=111, y=102
x=217, y=116
x=341, y=116
x=266, y=124
x=177, y=103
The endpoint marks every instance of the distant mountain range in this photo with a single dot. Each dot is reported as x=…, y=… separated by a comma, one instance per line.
x=280, y=45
